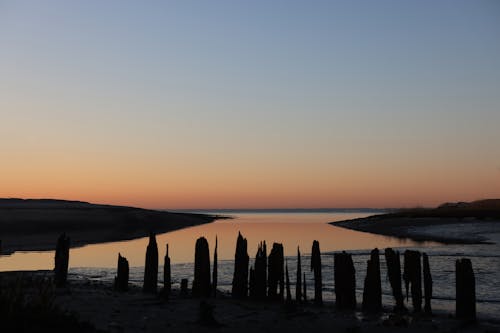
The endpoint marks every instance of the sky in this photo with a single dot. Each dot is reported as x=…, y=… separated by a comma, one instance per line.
x=250, y=104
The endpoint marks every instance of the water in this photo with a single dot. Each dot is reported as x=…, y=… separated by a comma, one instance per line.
x=292, y=228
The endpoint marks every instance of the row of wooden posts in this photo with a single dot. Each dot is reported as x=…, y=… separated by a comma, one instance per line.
x=268, y=278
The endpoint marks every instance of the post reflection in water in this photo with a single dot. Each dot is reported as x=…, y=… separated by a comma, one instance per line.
x=291, y=229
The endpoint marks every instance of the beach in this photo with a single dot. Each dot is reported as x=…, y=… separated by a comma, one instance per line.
x=97, y=304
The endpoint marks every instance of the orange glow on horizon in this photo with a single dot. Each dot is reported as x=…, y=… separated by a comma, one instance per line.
x=189, y=183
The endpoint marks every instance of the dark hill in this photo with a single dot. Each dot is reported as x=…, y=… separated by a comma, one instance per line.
x=34, y=224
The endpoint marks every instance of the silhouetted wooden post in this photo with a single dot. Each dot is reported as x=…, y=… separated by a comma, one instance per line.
x=276, y=273
x=201, y=282
x=240, y=277
x=167, y=275
x=394, y=272
x=345, y=281
x=61, y=260
x=261, y=272
x=413, y=278
x=316, y=268
x=151, y=268
x=288, y=292
x=121, y=279
x=298, y=283
x=427, y=285
x=184, y=287
x=372, y=293
x=465, y=290
x=214, y=272
x=304, y=291
x=251, y=283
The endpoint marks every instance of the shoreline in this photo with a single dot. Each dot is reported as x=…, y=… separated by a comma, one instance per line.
x=445, y=230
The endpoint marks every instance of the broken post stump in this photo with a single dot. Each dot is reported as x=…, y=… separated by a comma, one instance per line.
x=251, y=283
x=61, y=260
x=167, y=275
x=121, y=279
x=393, y=264
x=298, y=282
x=260, y=272
x=413, y=278
x=214, y=271
x=288, y=292
x=372, y=292
x=427, y=285
x=304, y=291
x=345, y=281
x=184, y=287
x=465, y=290
x=150, y=284
x=316, y=269
x=276, y=273
x=201, y=282
x=240, y=277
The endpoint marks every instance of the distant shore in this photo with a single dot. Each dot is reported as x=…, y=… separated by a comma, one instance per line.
x=35, y=225
x=458, y=223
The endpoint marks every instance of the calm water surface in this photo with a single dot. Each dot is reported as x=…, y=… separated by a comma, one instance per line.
x=290, y=228
x=98, y=262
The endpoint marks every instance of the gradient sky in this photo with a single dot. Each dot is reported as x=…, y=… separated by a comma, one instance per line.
x=182, y=104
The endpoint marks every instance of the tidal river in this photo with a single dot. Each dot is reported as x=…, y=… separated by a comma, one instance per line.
x=293, y=229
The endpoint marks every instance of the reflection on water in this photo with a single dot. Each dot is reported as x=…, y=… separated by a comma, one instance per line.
x=291, y=229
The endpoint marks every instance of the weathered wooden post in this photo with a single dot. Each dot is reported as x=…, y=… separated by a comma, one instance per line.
x=413, y=278
x=184, y=287
x=304, y=291
x=393, y=264
x=61, y=260
x=298, y=283
x=201, y=281
x=214, y=272
x=345, y=281
x=167, y=275
x=316, y=269
x=288, y=292
x=251, y=283
x=465, y=290
x=240, y=277
x=372, y=293
x=151, y=267
x=261, y=272
x=276, y=273
x=427, y=285
x=121, y=279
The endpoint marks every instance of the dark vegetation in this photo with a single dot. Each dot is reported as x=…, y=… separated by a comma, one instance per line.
x=481, y=209
x=27, y=305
